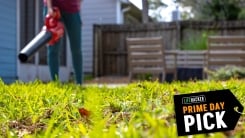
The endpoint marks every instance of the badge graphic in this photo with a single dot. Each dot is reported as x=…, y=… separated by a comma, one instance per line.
x=206, y=112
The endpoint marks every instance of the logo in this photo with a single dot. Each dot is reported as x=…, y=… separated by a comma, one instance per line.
x=193, y=99
x=206, y=112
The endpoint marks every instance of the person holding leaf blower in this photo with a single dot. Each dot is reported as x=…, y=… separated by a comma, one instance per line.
x=70, y=16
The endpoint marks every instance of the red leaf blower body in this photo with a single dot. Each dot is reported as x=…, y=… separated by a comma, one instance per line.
x=51, y=32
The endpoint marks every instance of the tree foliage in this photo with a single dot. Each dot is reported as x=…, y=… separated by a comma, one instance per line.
x=213, y=9
x=153, y=5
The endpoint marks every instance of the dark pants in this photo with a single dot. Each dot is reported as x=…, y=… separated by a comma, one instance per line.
x=72, y=22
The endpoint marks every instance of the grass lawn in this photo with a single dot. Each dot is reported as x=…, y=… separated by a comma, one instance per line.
x=137, y=110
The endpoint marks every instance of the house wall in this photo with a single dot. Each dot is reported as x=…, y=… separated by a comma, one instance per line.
x=8, y=52
x=95, y=12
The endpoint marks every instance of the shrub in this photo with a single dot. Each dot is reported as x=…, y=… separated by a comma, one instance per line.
x=227, y=73
x=241, y=15
x=195, y=42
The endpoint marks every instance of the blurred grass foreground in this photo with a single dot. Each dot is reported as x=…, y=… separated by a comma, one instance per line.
x=143, y=109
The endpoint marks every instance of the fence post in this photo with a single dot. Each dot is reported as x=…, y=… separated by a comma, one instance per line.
x=97, y=53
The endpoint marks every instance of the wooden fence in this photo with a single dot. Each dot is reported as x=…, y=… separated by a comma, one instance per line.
x=110, y=52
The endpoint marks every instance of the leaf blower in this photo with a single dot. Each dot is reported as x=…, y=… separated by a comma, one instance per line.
x=51, y=32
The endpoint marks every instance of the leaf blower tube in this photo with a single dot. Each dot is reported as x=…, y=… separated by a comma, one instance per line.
x=50, y=33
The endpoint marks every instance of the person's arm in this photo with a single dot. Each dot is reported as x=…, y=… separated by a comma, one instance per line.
x=50, y=7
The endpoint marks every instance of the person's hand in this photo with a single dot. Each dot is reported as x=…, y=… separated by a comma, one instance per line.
x=50, y=8
x=51, y=12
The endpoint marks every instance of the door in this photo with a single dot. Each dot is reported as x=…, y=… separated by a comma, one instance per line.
x=30, y=22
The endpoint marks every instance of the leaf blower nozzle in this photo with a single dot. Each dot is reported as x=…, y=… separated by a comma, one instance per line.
x=51, y=32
